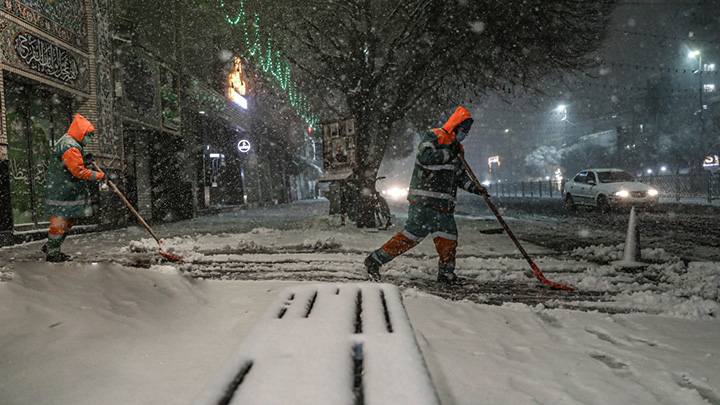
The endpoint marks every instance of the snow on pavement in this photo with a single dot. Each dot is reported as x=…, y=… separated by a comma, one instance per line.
x=321, y=249
x=521, y=355
x=85, y=334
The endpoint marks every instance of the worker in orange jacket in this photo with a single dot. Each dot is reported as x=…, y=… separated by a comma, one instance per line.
x=66, y=191
x=437, y=175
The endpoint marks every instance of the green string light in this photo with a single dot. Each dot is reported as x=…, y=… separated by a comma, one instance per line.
x=272, y=63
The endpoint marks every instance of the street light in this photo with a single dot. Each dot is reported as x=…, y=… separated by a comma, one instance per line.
x=563, y=109
x=697, y=54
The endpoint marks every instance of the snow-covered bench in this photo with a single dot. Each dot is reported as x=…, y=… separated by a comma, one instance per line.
x=327, y=344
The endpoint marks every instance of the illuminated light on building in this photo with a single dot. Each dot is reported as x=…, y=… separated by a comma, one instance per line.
x=237, y=99
x=711, y=161
x=494, y=159
x=243, y=146
x=265, y=55
x=237, y=88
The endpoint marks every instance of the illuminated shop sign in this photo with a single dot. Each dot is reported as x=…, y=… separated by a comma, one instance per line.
x=494, y=159
x=244, y=146
x=236, y=86
x=711, y=161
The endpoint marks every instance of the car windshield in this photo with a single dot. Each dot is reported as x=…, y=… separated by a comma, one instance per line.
x=614, y=177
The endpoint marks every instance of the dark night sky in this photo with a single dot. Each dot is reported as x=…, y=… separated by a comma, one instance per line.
x=646, y=37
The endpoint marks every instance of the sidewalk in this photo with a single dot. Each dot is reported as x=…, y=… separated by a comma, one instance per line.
x=87, y=333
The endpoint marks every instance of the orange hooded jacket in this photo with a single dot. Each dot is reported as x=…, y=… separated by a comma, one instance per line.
x=73, y=158
x=438, y=173
x=445, y=135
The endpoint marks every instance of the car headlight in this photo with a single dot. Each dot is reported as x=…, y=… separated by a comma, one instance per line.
x=397, y=193
x=652, y=192
x=622, y=193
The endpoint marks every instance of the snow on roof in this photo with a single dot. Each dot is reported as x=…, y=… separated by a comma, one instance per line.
x=603, y=170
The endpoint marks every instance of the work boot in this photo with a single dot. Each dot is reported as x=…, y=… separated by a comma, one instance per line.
x=57, y=257
x=447, y=278
x=373, y=268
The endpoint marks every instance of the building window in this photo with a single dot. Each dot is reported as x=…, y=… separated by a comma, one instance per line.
x=709, y=67
x=708, y=88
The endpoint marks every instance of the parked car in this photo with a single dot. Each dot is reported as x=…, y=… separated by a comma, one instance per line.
x=606, y=189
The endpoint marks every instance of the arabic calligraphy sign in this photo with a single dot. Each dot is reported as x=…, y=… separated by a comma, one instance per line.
x=45, y=57
x=35, y=54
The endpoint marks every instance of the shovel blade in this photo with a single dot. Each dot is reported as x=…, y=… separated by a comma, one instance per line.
x=169, y=256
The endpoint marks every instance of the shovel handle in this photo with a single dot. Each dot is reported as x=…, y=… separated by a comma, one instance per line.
x=117, y=191
x=538, y=274
x=495, y=211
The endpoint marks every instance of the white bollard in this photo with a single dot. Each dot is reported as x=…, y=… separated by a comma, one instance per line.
x=631, y=255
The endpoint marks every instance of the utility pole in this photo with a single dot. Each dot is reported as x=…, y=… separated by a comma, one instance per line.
x=701, y=116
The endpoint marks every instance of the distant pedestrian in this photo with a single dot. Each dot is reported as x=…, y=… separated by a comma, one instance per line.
x=436, y=177
x=66, y=191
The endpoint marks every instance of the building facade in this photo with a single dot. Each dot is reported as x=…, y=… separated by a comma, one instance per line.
x=55, y=63
x=174, y=144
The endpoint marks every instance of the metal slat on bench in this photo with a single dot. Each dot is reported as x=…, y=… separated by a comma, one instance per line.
x=327, y=344
x=389, y=382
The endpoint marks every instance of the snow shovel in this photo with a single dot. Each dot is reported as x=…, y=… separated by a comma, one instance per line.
x=536, y=270
x=117, y=191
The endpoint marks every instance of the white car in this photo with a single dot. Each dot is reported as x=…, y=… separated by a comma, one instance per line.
x=606, y=189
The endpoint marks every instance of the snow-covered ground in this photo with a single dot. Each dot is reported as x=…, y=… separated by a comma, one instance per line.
x=115, y=333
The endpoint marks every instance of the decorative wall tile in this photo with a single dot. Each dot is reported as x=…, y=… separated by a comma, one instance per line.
x=64, y=19
x=35, y=54
x=109, y=139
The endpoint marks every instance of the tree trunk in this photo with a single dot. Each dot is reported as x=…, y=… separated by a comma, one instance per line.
x=365, y=215
x=366, y=174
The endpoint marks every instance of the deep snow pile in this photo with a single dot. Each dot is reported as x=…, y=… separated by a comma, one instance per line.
x=84, y=334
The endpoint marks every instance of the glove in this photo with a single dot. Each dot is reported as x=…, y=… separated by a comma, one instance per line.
x=456, y=149
x=480, y=191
